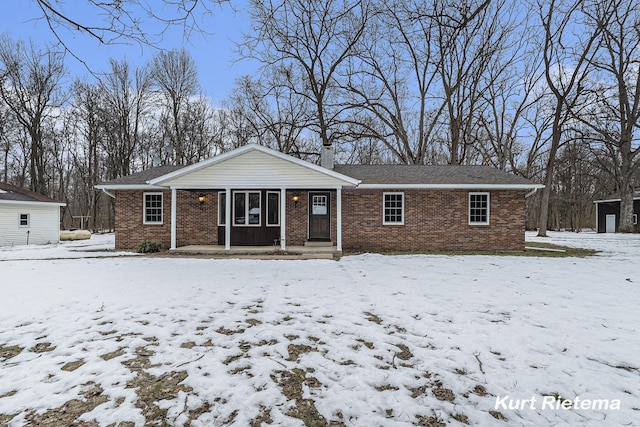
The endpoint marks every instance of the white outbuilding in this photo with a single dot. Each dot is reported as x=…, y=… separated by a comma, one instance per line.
x=27, y=217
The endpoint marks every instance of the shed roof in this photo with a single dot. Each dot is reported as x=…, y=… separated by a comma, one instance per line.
x=10, y=192
x=617, y=198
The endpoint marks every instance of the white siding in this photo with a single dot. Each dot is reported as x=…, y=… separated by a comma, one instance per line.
x=255, y=169
x=44, y=224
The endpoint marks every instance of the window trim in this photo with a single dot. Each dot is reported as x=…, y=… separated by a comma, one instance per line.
x=222, y=209
x=635, y=219
x=384, y=201
x=28, y=224
x=144, y=208
x=246, y=208
x=277, y=207
x=479, y=193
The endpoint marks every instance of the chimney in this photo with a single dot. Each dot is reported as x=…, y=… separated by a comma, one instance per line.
x=326, y=157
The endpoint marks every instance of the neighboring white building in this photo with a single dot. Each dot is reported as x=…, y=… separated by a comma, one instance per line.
x=27, y=217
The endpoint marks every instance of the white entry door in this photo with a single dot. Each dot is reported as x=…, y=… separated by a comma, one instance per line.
x=611, y=224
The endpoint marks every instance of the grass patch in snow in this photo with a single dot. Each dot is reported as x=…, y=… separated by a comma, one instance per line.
x=556, y=251
x=42, y=347
x=151, y=389
x=72, y=366
x=305, y=410
x=68, y=414
x=7, y=352
x=568, y=251
x=433, y=421
x=295, y=350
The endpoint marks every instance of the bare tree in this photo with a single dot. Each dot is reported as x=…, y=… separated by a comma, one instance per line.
x=566, y=55
x=125, y=104
x=88, y=136
x=392, y=79
x=277, y=115
x=613, y=110
x=30, y=87
x=175, y=74
x=124, y=21
x=311, y=40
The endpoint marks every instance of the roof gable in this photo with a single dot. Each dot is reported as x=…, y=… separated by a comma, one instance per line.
x=251, y=166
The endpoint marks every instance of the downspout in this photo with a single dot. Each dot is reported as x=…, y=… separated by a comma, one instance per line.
x=108, y=193
x=531, y=193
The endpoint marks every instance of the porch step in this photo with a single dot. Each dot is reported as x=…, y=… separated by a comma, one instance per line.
x=318, y=244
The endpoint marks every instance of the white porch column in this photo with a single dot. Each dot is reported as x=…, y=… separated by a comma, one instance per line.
x=174, y=209
x=283, y=219
x=339, y=218
x=227, y=226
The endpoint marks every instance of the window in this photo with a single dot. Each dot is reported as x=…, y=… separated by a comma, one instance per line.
x=273, y=208
x=393, y=209
x=152, y=208
x=635, y=219
x=319, y=205
x=246, y=208
x=222, y=208
x=24, y=220
x=479, y=208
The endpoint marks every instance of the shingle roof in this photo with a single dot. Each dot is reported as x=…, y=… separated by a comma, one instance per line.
x=141, y=178
x=379, y=175
x=434, y=175
x=11, y=192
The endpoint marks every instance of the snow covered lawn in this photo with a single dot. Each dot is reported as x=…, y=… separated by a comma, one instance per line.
x=369, y=340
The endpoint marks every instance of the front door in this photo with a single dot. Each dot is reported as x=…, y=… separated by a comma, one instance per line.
x=319, y=216
x=611, y=224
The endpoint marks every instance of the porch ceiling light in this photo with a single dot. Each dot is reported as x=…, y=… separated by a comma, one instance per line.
x=201, y=199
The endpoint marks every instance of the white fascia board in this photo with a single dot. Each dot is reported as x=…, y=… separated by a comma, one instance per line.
x=32, y=203
x=261, y=187
x=451, y=186
x=245, y=149
x=129, y=187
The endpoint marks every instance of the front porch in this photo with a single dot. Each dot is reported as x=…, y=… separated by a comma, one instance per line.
x=260, y=252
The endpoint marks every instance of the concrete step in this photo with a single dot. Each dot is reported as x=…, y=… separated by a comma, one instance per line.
x=318, y=244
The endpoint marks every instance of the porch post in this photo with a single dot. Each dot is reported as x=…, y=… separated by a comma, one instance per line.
x=283, y=219
x=227, y=215
x=174, y=205
x=339, y=218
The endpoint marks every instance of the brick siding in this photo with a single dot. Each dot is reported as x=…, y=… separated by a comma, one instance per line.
x=434, y=220
x=196, y=225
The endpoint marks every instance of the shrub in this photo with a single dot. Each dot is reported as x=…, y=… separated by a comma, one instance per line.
x=148, y=247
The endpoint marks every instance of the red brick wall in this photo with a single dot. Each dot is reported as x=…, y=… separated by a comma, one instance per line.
x=434, y=220
x=196, y=225
x=298, y=217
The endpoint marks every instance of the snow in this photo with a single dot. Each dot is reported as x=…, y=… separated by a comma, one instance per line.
x=518, y=326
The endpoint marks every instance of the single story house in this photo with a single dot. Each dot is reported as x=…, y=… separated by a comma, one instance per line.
x=27, y=217
x=255, y=196
x=608, y=213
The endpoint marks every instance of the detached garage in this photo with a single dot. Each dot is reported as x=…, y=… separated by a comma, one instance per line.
x=27, y=217
x=608, y=213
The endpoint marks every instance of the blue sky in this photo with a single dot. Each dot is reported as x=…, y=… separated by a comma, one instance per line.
x=213, y=53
